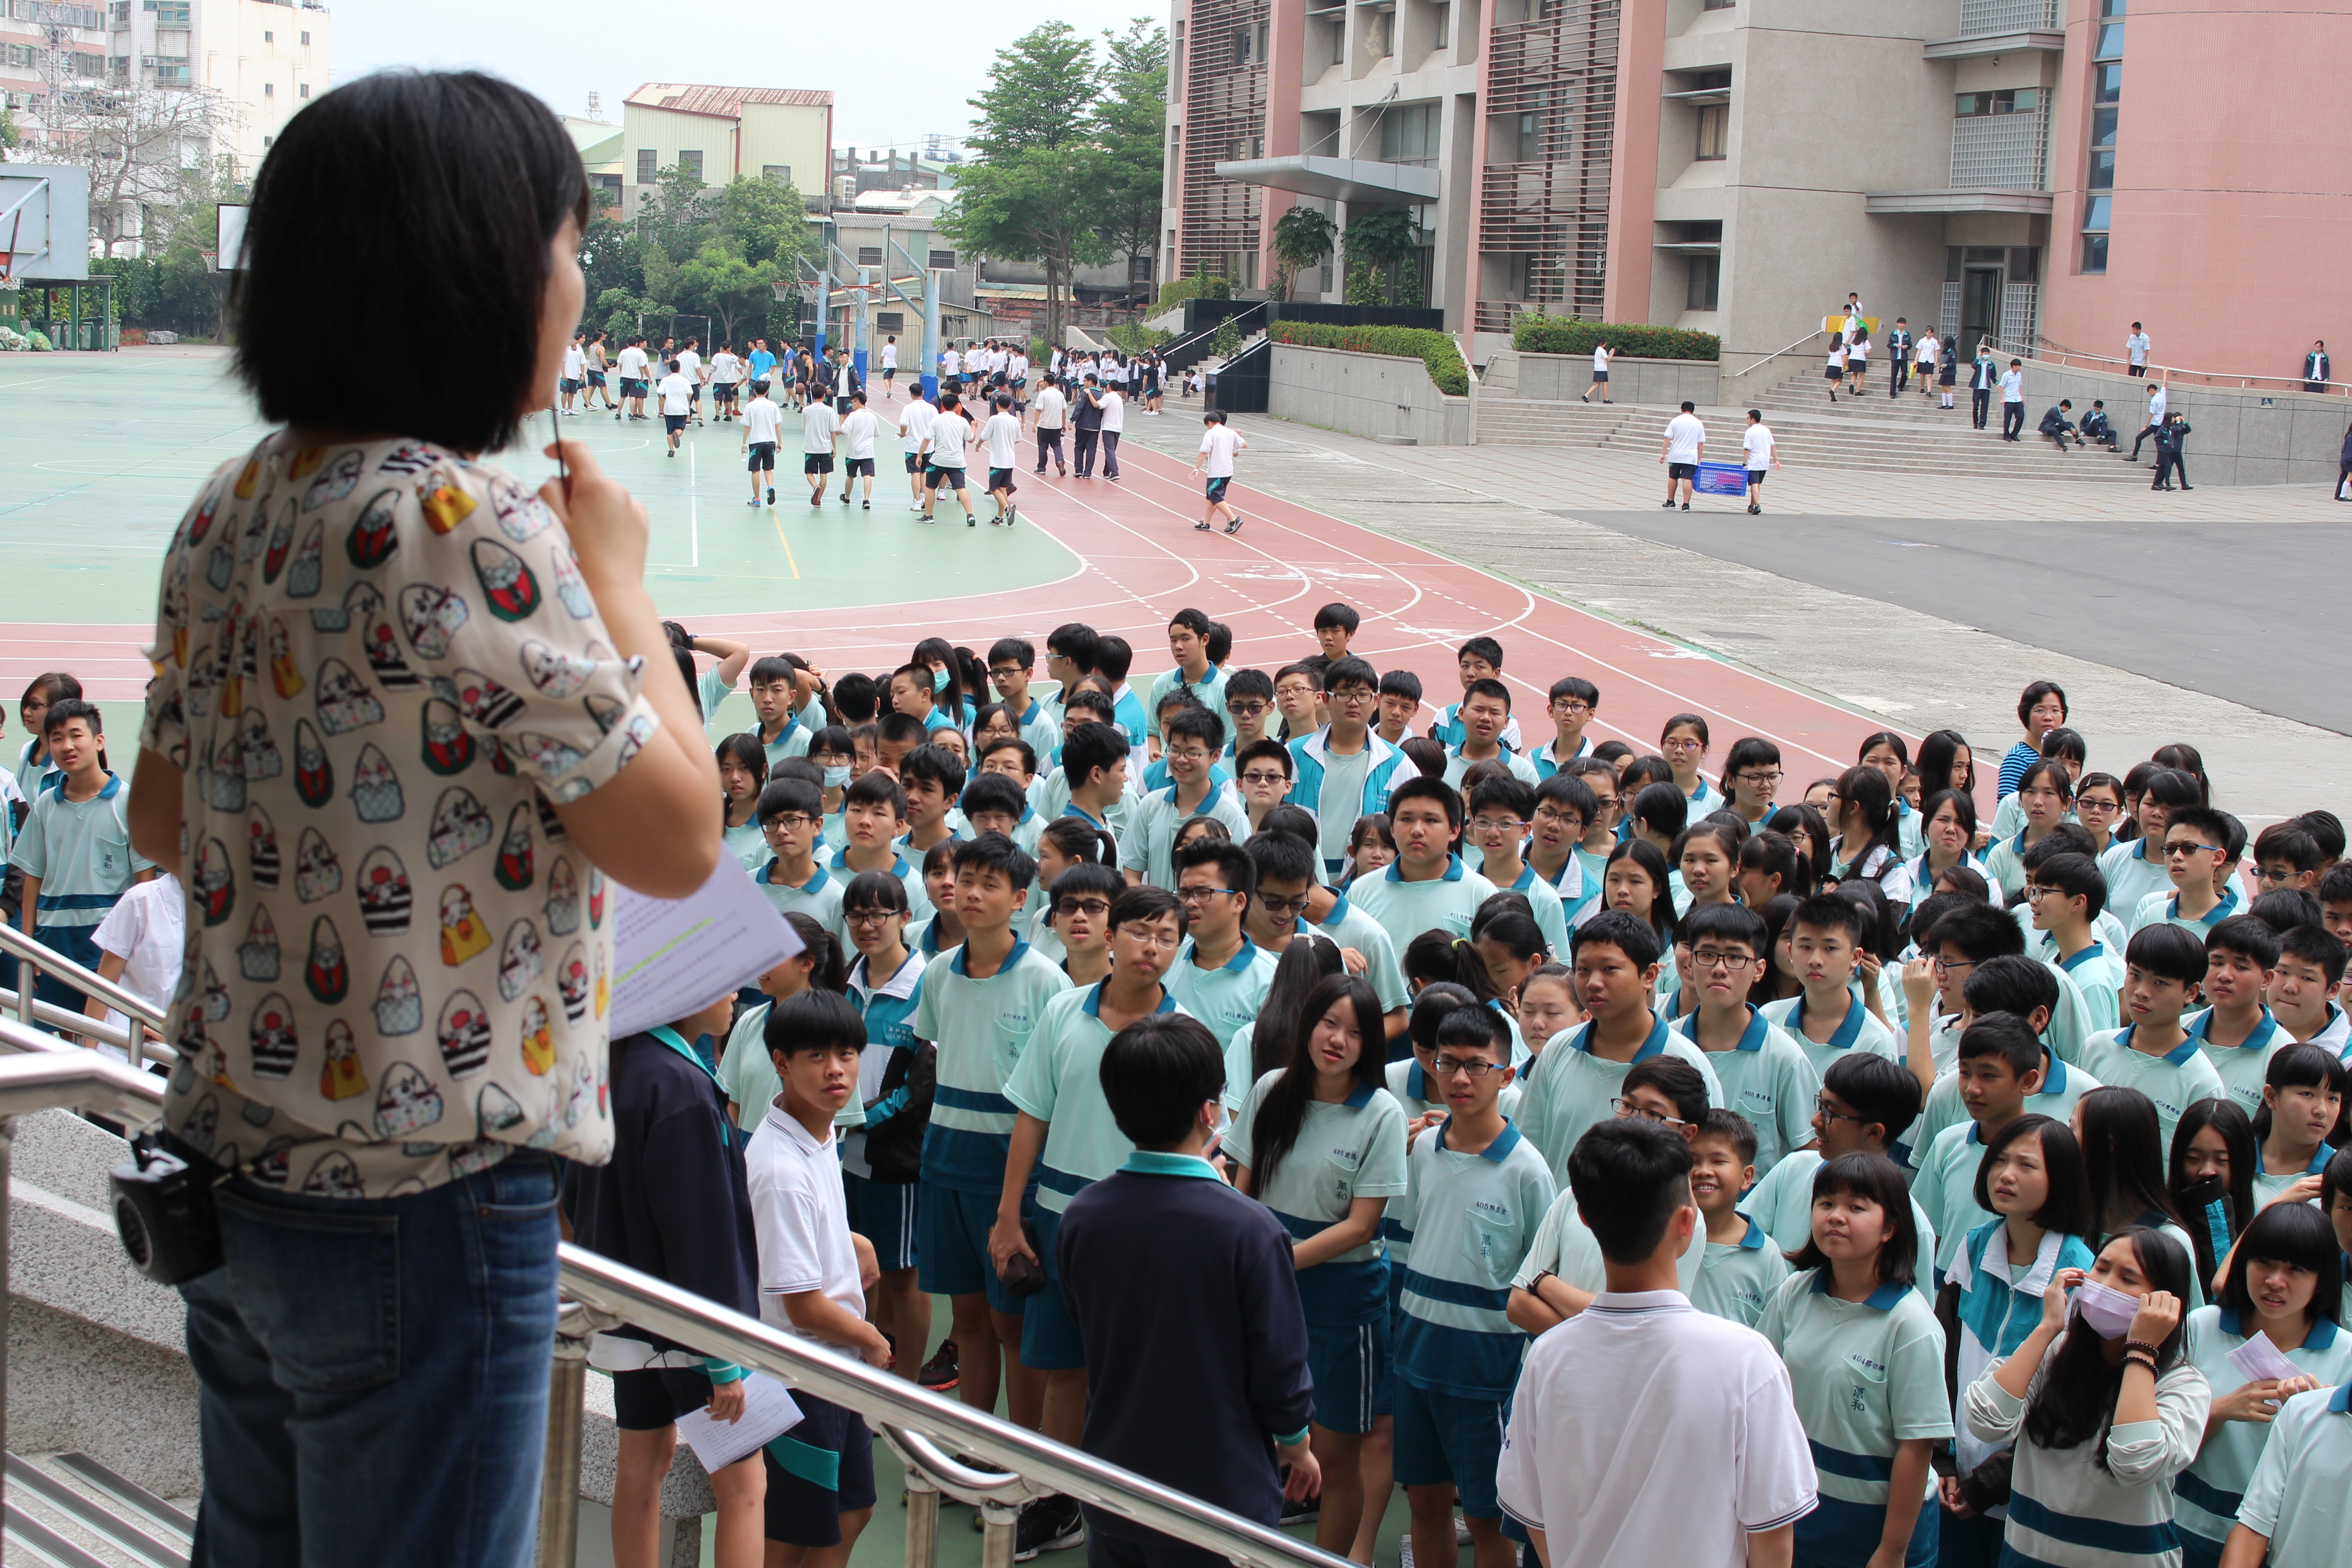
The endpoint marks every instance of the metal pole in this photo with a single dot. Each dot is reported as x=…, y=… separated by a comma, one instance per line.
x=997, y=1524
x=922, y=1520
x=558, y=1479
x=824, y=305
x=859, y=312
x=7, y=1146
x=933, y=281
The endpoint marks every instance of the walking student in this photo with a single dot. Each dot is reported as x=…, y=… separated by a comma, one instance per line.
x=1683, y=446
x=1984, y=376
x=1602, y=354
x=1001, y=437
x=820, y=439
x=763, y=427
x=1757, y=443
x=857, y=433
x=1087, y=413
x=1051, y=413
x=2013, y=402
x=1219, y=445
x=1898, y=357
x=914, y=435
x=676, y=404
x=947, y=447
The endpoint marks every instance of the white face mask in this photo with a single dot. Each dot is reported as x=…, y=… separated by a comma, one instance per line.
x=835, y=777
x=2109, y=1312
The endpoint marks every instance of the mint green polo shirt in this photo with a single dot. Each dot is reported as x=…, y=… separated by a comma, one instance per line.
x=1343, y=1152
x=1738, y=1280
x=2209, y=1493
x=1228, y=996
x=1059, y=1081
x=980, y=1027
x=1350, y=927
x=1782, y=1202
x=1147, y=844
x=1210, y=688
x=1768, y=1079
x=2173, y=1081
x=1867, y=1375
x=2244, y=1066
x=1570, y=1087
x=819, y=898
x=80, y=849
x=1405, y=910
x=1858, y=1031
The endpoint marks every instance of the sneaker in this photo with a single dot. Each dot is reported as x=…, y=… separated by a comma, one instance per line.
x=1667, y=504
x=1753, y=509
x=1234, y=526
x=870, y=505
x=1686, y=506
x=1306, y=1511
x=845, y=497
x=771, y=495
x=753, y=503
x=1048, y=1524
x=939, y=1375
x=1011, y=515
x=1461, y=1531
x=972, y=519
x=1199, y=527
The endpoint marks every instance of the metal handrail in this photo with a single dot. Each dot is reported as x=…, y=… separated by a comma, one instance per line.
x=45, y=1074
x=1776, y=353
x=57, y=1018
x=2044, y=348
x=89, y=983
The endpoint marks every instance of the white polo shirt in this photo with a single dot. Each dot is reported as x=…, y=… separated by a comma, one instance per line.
x=763, y=422
x=1646, y=1431
x=800, y=1217
x=1685, y=436
x=1757, y=444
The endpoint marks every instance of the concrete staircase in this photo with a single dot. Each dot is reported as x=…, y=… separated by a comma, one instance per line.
x=1907, y=434
x=1543, y=422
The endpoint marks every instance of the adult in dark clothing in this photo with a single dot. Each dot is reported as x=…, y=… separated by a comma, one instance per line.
x=2170, y=458
x=2056, y=426
x=1898, y=349
x=1086, y=415
x=2317, y=372
x=1983, y=377
x=672, y=1203
x=1186, y=1296
x=2344, y=474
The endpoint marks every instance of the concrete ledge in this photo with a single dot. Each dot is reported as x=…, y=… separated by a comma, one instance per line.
x=1564, y=377
x=1388, y=397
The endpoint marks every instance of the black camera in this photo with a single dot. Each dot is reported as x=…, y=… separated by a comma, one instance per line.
x=163, y=1212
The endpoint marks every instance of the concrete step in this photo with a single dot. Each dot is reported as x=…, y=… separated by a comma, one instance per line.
x=70, y=1509
x=1971, y=455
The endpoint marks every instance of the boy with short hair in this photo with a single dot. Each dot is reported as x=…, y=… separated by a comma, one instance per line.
x=791, y=819
x=1500, y=810
x=1219, y=446
x=763, y=428
x=1219, y=976
x=1565, y=807
x=1826, y=1018
x=1065, y=1139
x=2286, y=855
x=1766, y=1077
x=2163, y=967
x=1480, y=658
x=1010, y=660
x=2065, y=894
x=775, y=698
x=1094, y=772
x=1427, y=887
x=913, y=694
x=1335, y=623
x=1608, y=808
x=2029, y=990
x=1188, y=645
x=2303, y=989
x=1863, y=1107
x=979, y=1005
x=74, y=848
x=1113, y=659
x=1484, y=712
x=1297, y=694
x=995, y=802
x=895, y=736
x=2201, y=864
x=1342, y=771
x=2000, y=1068
x=1288, y=901
x=1262, y=774
x=1741, y=1269
x=812, y=1271
x=873, y=819
x=1249, y=700
x=1149, y=842
x=1475, y=1192
x=933, y=777
x=1400, y=704
x=1571, y=702
x=1616, y=962
x=2236, y=1032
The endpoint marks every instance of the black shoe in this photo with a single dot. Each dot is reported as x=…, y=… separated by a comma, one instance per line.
x=1234, y=526
x=870, y=505
x=771, y=495
x=1306, y=1511
x=939, y=1375
x=1667, y=504
x=1754, y=511
x=972, y=519
x=1686, y=506
x=1048, y=1524
x=2188, y=487
x=1199, y=527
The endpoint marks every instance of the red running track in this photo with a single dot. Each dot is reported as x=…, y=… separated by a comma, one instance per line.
x=1140, y=560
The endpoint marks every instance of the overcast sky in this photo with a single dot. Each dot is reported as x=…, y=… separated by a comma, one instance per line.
x=898, y=72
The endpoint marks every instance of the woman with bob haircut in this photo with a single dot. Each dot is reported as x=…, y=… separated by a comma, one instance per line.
x=386, y=1099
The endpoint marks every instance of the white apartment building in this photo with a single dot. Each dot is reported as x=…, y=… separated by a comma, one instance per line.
x=784, y=134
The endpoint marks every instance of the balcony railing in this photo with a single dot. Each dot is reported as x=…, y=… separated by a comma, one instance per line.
x=1999, y=152
x=1990, y=19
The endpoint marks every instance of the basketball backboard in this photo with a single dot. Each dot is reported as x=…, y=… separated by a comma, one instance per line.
x=45, y=221
x=231, y=243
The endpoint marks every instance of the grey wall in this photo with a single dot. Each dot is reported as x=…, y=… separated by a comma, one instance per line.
x=1631, y=380
x=2237, y=437
x=1365, y=394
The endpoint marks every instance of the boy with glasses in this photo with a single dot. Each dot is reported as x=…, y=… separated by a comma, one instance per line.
x=2200, y=864
x=1010, y=660
x=1765, y=1077
x=1066, y=1140
x=1249, y=698
x=1862, y=1106
x=2065, y=895
x=1261, y=773
x=1221, y=977
x=1148, y=847
x=1342, y=771
x=1565, y=807
x=1500, y=812
x=1290, y=900
x=1572, y=702
x=792, y=815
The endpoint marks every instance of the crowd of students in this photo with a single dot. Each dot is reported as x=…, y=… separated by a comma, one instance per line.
x=2006, y=1136
x=2009, y=1137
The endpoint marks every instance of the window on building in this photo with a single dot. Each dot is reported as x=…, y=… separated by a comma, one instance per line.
x=268, y=37
x=942, y=261
x=2007, y=100
x=776, y=173
x=303, y=90
x=305, y=40
x=1714, y=134
x=689, y=164
x=1705, y=282
x=889, y=321
x=1444, y=16
x=1242, y=37
x=1380, y=36
x=869, y=256
x=1138, y=269
x=118, y=14
x=649, y=165
x=168, y=13
x=1717, y=6
x=2094, y=253
x=1409, y=134
x=2099, y=175
x=2108, y=81
x=269, y=90
x=1176, y=66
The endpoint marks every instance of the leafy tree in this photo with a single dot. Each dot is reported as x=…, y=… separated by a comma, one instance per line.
x=722, y=284
x=1303, y=237
x=1381, y=240
x=1032, y=85
x=8, y=133
x=1129, y=117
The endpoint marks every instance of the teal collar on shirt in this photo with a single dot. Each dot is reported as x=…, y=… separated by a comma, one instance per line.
x=1035, y=707
x=2318, y=1161
x=2260, y=1038
x=1582, y=1039
x=1075, y=809
x=1849, y=1031
x=1144, y=1163
x=2341, y=1400
x=1241, y=960
x=2176, y=1056
x=1884, y=1298
x=1452, y=869
x=2212, y=917
x=814, y=885
x=2053, y=1078
x=1755, y=1239
x=1751, y=1039
x=1498, y=1150
x=1416, y=1083
x=1094, y=1000
x=2095, y=950
x=1020, y=950
x=1339, y=911
x=1361, y=1095
x=783, y=731
x=899, y=865
x=2321, y=1337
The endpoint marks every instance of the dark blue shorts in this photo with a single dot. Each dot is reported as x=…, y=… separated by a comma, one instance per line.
x=821, y=1470
x=1217, y=489
x=1049, y=1335
x=653, y=1398
x=1842, y=1534
x=884, y=1214
x=1449, y=1438
x=1350, y=1370
x=951, y=1246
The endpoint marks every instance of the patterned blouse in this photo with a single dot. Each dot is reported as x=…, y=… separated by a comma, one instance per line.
x=376, y=665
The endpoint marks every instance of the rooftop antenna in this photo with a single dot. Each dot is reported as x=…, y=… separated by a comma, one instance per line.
x=596, y=105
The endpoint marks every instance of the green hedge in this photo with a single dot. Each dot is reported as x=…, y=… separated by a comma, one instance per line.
x=1568, y=335
x=1205, y=286
x=1433, y=349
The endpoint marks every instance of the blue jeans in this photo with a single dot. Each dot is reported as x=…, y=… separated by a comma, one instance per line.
x=375, y=1373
